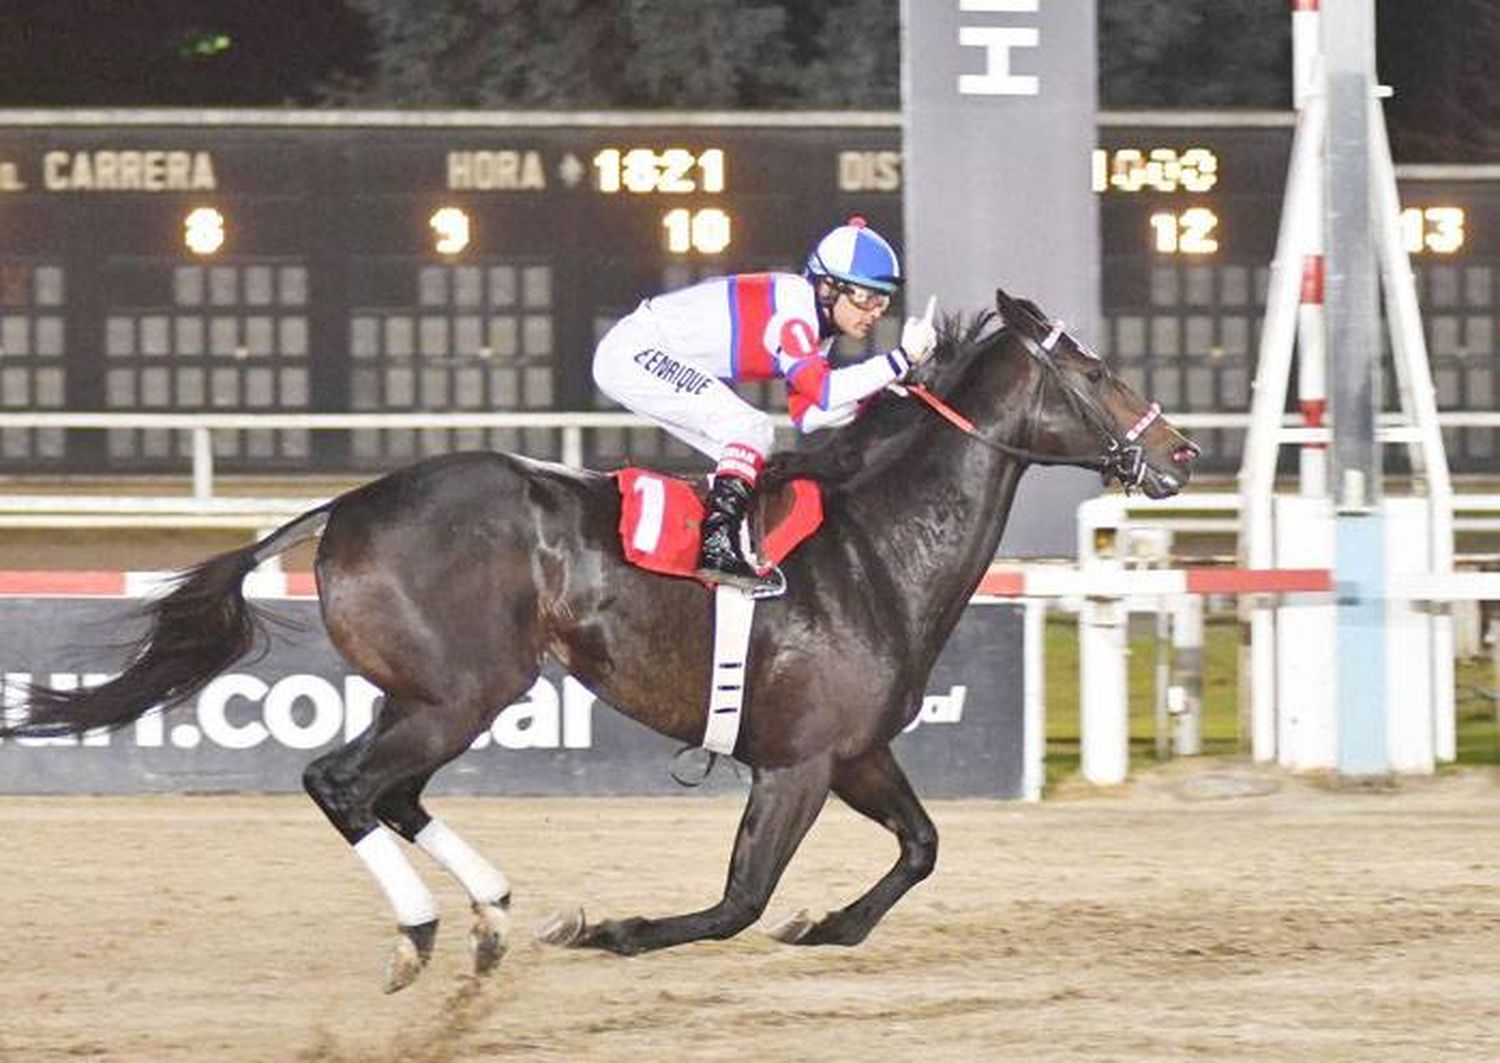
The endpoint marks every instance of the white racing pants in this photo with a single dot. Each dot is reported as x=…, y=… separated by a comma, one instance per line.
x=633, y=366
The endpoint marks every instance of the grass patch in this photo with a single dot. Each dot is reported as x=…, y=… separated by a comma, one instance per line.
x=1478, y=710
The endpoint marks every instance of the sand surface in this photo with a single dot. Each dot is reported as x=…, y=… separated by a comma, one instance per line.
x=1204, y=913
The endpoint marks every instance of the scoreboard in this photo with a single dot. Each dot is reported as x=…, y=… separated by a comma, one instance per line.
x=1190, y=208
x=361, y=261
x=376, y=262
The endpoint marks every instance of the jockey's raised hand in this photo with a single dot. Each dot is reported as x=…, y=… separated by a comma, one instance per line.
x=919, y=335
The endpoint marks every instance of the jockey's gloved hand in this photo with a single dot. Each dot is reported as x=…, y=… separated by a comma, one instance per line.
x=919, y=336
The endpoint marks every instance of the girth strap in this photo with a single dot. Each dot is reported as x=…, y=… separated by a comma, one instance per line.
x=733, y=612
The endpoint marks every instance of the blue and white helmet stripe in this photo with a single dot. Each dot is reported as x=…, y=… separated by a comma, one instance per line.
x=857, y=254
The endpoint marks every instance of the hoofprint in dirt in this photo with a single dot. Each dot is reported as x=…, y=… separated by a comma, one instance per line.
x=1213, y=915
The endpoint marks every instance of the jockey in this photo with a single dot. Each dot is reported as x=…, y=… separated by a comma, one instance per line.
x=674, y=357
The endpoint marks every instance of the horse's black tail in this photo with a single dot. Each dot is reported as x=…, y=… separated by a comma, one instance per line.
x=201, y=627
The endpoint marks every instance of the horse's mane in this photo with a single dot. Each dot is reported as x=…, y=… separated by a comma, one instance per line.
x=888, y=421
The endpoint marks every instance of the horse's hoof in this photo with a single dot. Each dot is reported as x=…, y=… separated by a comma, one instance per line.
x=490, y=935
x=409, y=955
x=562, y=928
x=793, y=928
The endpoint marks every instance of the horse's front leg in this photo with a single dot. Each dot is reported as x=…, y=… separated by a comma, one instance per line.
x=783, y=804
x=873, y=785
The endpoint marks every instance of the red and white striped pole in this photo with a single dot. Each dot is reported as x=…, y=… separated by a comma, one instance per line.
x=1305, y=48
x=1312, y=379
x=1312, y=374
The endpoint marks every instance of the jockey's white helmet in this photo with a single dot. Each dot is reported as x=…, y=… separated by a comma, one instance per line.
x=856, y=254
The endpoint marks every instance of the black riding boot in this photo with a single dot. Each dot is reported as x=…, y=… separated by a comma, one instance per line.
x=720, y=560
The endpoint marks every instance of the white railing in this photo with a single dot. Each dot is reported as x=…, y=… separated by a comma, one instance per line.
x=201, y=427
x=206, y=508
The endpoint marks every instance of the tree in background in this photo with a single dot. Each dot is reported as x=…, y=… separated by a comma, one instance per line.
x=585, y=54
x=774, y=53
x=847, y=53
x=1443, y=59
x=1443, y=62
x=1446, y=77
x=1230, y=53
x=171, y=53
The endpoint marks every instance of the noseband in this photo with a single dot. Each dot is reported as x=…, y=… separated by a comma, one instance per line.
x=1123, y=458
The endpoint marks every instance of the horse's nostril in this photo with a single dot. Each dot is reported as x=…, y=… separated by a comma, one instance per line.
x=1184, y=454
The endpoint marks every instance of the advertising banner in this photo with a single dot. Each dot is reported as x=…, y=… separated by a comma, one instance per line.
x=255, y=727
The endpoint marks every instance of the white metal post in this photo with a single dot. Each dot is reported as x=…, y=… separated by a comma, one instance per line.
x=1305, y=48
x=1419, y=403
x=1312, y=386
x=203, y=464
x=1306, y=631
x=1162, y=723
x=1409, y=648
x=1299, y=212
x=1312, y=372
x=1034, y=699
x=572, y=446
x=1185, y=700
x=1104, y=718
x=1103, y=698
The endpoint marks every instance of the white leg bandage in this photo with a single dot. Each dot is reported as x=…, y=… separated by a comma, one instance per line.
x=482, y=880
x=398, y=879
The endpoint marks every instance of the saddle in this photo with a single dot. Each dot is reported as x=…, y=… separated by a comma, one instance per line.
x=661, y=515
x=660, y=519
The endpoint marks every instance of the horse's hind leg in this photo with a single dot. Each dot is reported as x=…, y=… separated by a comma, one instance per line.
x=873, y=785
x=402, y=810
x=783, y=804
x=408, y=740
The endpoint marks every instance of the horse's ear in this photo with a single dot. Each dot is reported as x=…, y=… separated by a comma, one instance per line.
x=1005, y=305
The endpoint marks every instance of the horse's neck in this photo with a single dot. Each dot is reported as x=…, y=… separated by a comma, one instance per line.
x=939, y=532
x=938, y=516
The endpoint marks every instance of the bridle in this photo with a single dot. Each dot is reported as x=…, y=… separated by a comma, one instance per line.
x=1122, y=457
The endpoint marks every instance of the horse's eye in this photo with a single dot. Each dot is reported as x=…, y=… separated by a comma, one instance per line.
x=1095, y=375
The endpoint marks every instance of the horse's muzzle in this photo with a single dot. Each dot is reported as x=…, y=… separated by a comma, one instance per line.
x=1164, y=483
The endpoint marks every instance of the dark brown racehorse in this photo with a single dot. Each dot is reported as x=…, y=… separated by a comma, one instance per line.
x=446, y=583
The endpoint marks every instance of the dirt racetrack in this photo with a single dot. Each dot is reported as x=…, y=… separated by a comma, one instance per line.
x=1186, y=918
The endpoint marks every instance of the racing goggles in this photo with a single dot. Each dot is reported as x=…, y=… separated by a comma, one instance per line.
x=865, y=298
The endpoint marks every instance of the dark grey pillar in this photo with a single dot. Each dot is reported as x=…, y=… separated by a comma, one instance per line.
x=999, y=102
x=1352, y=292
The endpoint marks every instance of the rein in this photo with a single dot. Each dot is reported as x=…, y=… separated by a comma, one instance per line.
x=966, y=426
x=1125, y=460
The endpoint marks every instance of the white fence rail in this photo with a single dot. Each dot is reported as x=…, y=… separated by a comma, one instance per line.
x=201, y=427
x=204, y=507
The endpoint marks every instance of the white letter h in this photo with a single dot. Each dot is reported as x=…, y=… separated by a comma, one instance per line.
x=997, y=41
